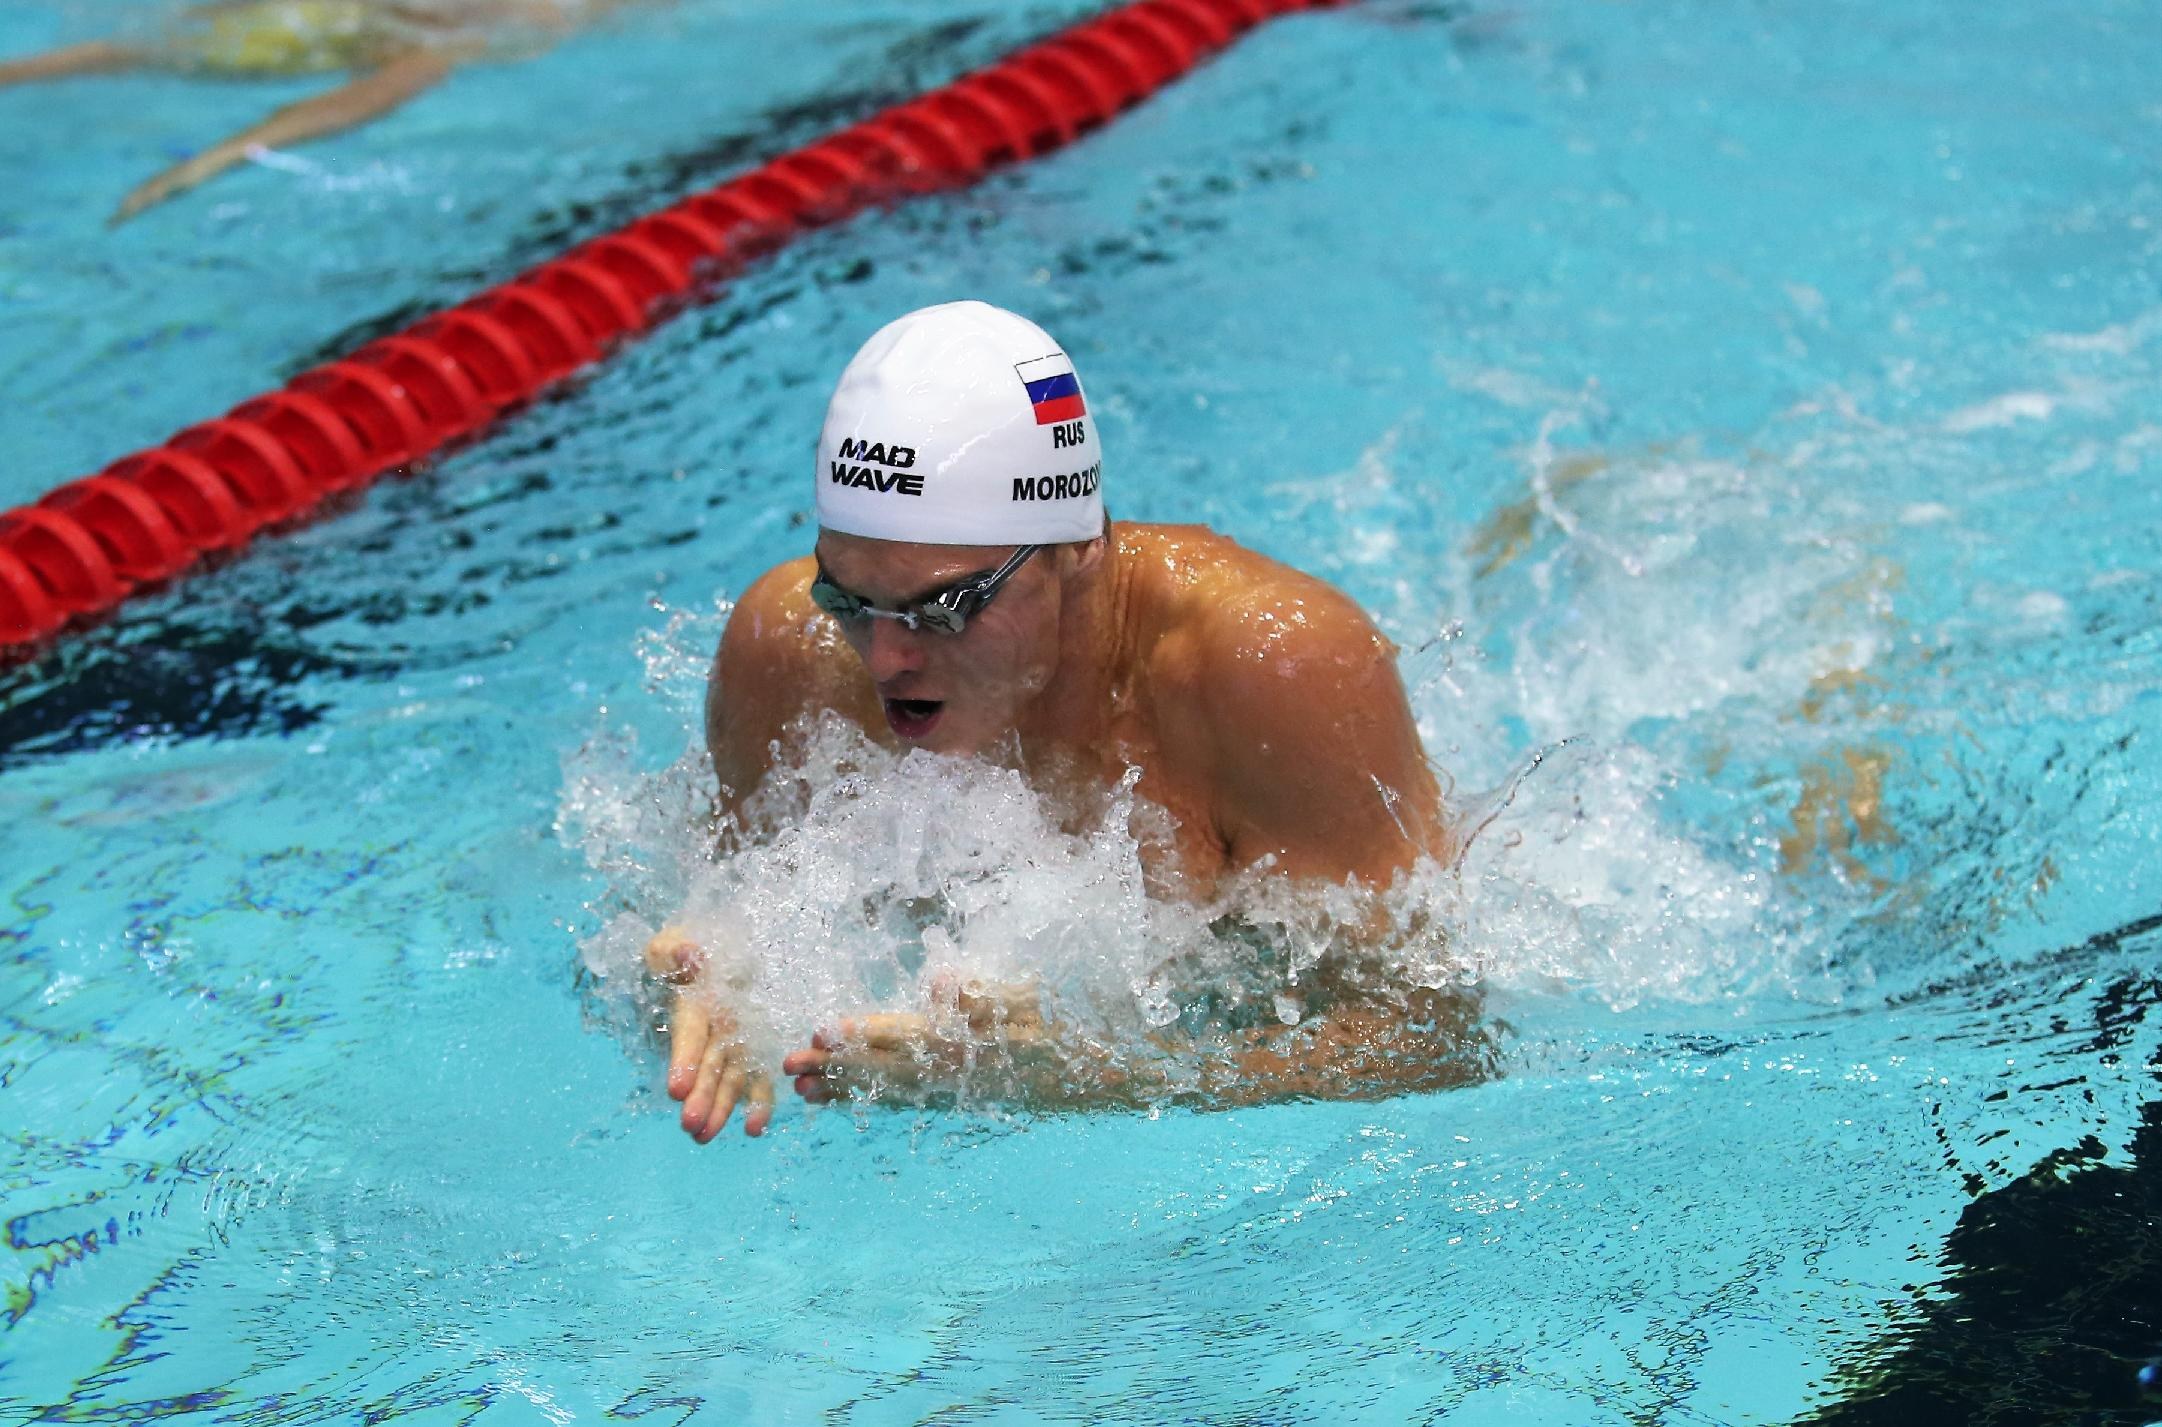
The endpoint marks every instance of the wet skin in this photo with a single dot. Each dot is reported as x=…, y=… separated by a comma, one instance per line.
x=1263, y=707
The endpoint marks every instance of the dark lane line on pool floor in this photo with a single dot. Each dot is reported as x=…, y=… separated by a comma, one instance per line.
x=2051, y=1307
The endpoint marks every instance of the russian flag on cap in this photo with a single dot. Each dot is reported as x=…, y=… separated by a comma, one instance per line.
x=1053, y=389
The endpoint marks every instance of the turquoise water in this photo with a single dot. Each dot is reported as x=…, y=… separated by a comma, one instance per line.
x=1708, y=398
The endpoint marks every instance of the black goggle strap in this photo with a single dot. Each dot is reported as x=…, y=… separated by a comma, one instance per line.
x=844, y=604
x=964, y=597
x=834, y=600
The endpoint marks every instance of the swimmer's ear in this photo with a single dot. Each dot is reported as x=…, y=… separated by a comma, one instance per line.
x=1082, y=556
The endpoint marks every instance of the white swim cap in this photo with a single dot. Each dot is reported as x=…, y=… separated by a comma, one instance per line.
x=961, y=424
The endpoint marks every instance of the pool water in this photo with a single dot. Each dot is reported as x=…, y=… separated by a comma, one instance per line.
x=1744, y=417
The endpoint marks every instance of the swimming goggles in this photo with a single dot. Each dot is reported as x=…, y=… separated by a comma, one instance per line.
x=948, y=610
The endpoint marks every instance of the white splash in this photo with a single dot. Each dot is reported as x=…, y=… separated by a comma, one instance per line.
x=2004, y=410
x=2119, y=339
x=887, y=873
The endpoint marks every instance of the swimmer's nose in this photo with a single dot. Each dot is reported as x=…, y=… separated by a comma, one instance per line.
x=893, y=650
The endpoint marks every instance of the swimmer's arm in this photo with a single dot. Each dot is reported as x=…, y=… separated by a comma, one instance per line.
x=993, y=1042
x=1355, y=1050
x=93, y=57
x=358, y=100
x=1319, y=774
x=747, y=709
x=770, y=667
x=988, y=1039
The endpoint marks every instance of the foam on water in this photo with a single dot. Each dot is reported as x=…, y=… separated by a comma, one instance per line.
x=872, y=878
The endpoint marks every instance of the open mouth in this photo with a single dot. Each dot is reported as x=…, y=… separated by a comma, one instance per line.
x=913, y=718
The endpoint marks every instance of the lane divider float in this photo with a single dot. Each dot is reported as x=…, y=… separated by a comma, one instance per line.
x=79, y=551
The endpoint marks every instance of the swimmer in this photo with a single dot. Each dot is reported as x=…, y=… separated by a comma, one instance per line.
x=967, y=595
x=394, y=49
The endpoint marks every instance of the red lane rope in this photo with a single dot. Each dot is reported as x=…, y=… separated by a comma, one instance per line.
x=82, y=549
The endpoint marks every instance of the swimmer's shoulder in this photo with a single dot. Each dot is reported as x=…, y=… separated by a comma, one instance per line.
x=773, y=610
x=1211, y=599
x=775, y=630
x=779, y=658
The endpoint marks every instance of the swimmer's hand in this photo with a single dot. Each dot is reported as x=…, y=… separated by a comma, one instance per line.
x=709, y=1069
x=993, y=1036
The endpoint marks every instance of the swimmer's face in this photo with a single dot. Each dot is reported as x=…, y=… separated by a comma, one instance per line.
x=950, y=693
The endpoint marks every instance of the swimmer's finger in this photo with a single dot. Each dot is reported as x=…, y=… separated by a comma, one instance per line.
x=705, y=1079
x=944, y=987
x=672, y=956
x=887, y=1031
x=698, y=1108
x=734, y=1079
x=806, y=1062
x=977, y=1001
x=758, y=1106
x=877, y=1073
x=989, y=1004
x=879, y=1031
x=689, y=1029
x=814, y=1089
